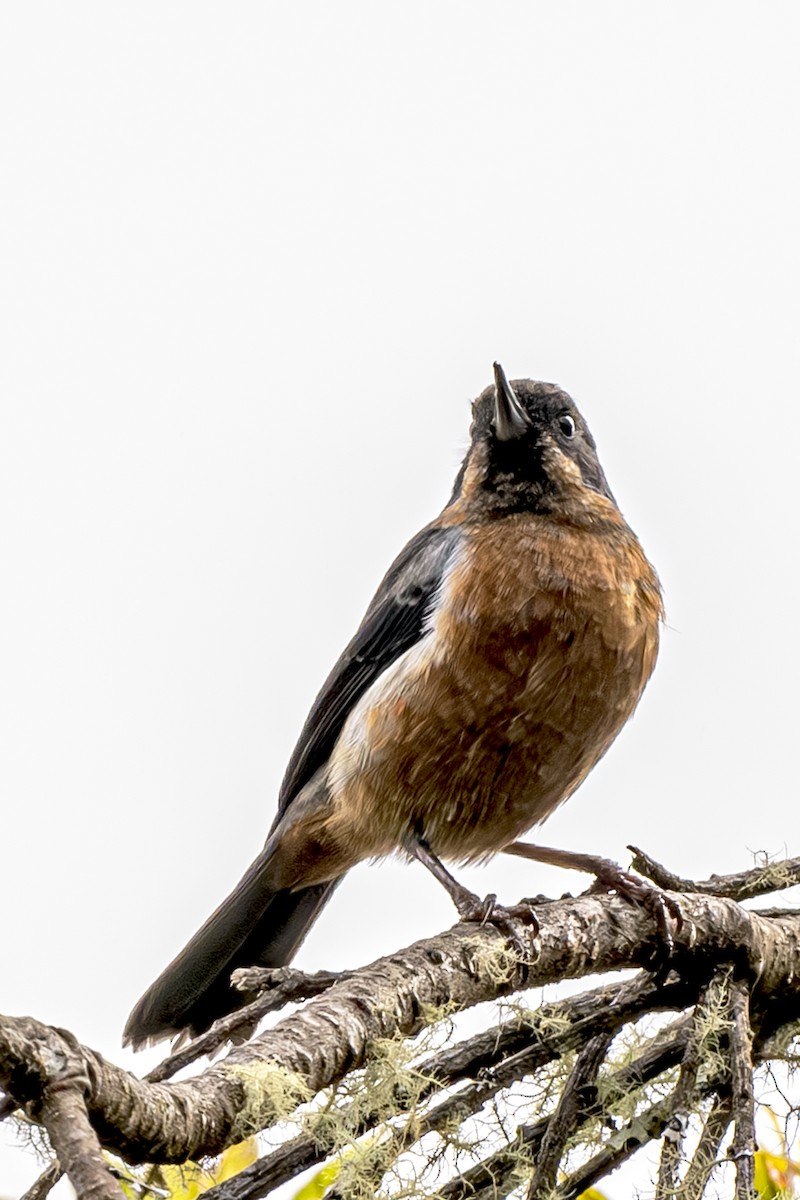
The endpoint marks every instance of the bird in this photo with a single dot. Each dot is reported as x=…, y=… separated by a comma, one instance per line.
x=506, y=647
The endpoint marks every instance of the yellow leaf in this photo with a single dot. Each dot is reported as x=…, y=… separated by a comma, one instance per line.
x=772, y=1175
x=182, y=1183
x=318, y=1185
x=185, y=1182
x=234, y=1160
x=127, y=1191
x=159, y=1182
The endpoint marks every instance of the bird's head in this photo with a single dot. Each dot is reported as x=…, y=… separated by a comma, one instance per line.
x=530, y=451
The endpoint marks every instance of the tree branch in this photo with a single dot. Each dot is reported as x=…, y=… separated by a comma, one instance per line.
x=707, y=1149
x=685, y=1092
x=741, y=1050
x=495, y=1174
x=493, y=1060
x=45, y=1183
x=566, y=1118
x=90, y=1102
x=278, y=986
x=743, y=885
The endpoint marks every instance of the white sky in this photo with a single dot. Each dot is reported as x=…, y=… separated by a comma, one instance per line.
x=256, y=260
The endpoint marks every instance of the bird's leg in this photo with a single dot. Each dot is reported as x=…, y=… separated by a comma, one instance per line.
x=608, y=876
x=470, y=907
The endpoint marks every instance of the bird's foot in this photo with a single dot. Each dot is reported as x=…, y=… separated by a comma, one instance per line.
x=658, y=903
x=610, y=877
x=483, y=912
x=506, y=919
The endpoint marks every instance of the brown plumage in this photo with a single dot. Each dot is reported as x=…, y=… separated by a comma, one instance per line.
x=504, y=651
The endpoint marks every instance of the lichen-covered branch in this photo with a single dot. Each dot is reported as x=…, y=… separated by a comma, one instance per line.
x=499, y=1172
x=715, y=1126
x=685, y=1094
x=741, y=1071
x=338, y=1032
x=278, y=986
x=743, y=885
x=567, y=1116
x=488, y=1062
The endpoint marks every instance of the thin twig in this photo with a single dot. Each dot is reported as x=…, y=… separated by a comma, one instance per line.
x=743, y=885
x=706, y=1155
x=621, y=1146
x=281, y=986
x=743, y=1147
x=285, y=984
x=685, y=1094
x=45, y=1183
x=488, y=1178
x=574, y=1099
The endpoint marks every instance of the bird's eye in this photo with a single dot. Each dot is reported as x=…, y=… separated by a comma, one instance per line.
x=567, y=425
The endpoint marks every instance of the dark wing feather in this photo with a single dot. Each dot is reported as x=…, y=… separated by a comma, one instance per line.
x=394, y=621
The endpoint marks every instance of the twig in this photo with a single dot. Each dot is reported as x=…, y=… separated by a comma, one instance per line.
x=684, y=1096
x=706, y=1153
x=743, y=885
x=285, y=984
x=45, y=1183
x=487, y=1179
x=281, y=986
x=743, y=1147
x=621, y=1146
x=564, y=1121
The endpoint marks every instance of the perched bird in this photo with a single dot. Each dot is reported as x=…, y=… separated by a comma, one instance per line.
x=506, y=647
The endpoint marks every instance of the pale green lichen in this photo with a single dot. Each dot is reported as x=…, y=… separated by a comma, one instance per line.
x=386, y=1085
x=438, y=1017
x=271, y=1093
x=774, y=876
x=493, y=961
x=784, y=1045
x=624, y=1102
x=711, y=1023
x=371, y=1124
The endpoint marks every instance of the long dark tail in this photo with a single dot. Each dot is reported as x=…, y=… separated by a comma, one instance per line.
x=254, y=926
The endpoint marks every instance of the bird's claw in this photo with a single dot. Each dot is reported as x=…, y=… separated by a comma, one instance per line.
x=506, y=919
x=658, y=903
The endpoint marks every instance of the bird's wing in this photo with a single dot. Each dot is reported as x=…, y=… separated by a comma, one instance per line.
x=394, y=621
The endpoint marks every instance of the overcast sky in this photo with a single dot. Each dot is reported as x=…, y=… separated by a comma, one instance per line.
x=256, y=261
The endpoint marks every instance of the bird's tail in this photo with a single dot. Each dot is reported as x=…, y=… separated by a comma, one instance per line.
x=255, y=926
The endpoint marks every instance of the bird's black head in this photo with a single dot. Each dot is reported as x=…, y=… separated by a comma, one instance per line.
x=531, y=451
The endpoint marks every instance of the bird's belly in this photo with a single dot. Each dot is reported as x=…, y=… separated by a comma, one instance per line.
x=471, y=738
